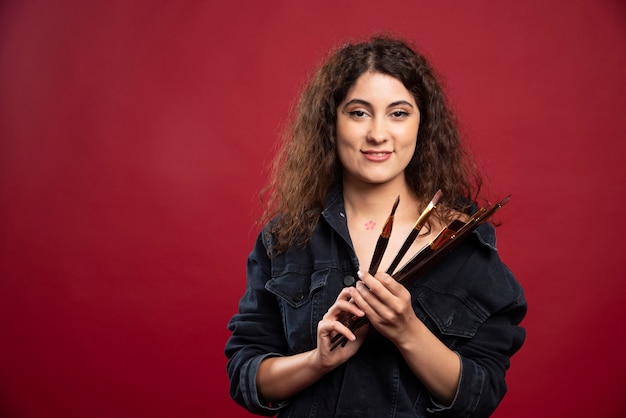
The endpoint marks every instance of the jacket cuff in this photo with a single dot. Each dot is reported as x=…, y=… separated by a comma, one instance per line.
x=249, y=389
x=468, y=391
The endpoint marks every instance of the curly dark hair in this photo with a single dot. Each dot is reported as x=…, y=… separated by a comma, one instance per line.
x=306, y=165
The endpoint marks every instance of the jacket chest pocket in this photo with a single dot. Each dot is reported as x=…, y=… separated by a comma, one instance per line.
x=451, y=314
x=302, y=299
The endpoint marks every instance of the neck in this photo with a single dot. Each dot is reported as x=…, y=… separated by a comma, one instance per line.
x=375, y=201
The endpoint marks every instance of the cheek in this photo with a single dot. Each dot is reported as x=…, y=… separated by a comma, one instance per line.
x=408, y=154
x=408, y=138
x=343, y=153
x=346, y=140
x=409, y=145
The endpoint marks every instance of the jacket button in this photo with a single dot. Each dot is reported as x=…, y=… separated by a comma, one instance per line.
x=349, y=281
x=298, y=297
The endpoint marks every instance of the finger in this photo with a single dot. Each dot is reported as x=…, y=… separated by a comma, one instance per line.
x=341, y=307
x=379, y=282
x=384, y=287
x=389, y=283
x=343, y=304
x=371, y=302
x=329, y=328
x=372, y=283
x=344, y=294
x=363, y=297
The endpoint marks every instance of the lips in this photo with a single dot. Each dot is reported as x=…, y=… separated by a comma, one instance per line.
x=377, y=156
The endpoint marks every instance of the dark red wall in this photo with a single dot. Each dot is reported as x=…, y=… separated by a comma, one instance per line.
x=134, y=137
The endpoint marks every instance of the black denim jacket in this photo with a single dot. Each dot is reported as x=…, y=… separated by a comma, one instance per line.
x=470, y=300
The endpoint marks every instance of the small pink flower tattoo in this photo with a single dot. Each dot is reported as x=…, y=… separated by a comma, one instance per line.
x=370, y=225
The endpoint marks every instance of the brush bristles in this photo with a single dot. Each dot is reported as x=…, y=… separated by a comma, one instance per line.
x=437, y=197
x=395, y=206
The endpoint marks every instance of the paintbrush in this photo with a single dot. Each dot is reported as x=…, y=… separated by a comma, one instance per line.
x=379, y=251
x=383, y=240
x=355, y=322
x=415, y=231
x=449, y=237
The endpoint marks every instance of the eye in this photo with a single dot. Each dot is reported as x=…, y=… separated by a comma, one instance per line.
x=399, y=114
x=357, y=114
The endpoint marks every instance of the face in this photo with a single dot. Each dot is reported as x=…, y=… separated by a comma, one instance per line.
x=377, y=126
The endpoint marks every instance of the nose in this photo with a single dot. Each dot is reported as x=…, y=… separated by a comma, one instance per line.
x=377, y=132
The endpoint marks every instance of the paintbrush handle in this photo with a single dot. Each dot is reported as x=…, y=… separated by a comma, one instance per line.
x=448, y=239
x=421, y=221
x=383, y=240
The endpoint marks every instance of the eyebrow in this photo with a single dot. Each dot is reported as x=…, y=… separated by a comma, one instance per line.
x=366, y=103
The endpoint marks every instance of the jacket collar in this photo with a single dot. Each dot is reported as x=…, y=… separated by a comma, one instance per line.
x=335, y=213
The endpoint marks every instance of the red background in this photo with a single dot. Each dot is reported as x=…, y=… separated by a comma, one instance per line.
x=134, y=137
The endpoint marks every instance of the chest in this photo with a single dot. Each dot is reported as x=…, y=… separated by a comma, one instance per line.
x=364, y=241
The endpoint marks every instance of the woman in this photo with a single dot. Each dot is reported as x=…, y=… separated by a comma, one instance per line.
x=372, y=125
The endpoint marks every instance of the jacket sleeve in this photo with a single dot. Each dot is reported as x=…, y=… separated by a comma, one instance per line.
x=257, y=333
x=487, y=288
x=484, y=362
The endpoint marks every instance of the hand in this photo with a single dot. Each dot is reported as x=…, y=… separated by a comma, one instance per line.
x=387, y=305
x=280, y=377
x=332, y=324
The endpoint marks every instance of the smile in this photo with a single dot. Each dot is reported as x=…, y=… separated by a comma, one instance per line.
x=377, y=156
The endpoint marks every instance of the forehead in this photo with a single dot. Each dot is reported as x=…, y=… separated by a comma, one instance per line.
x=376, y=87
